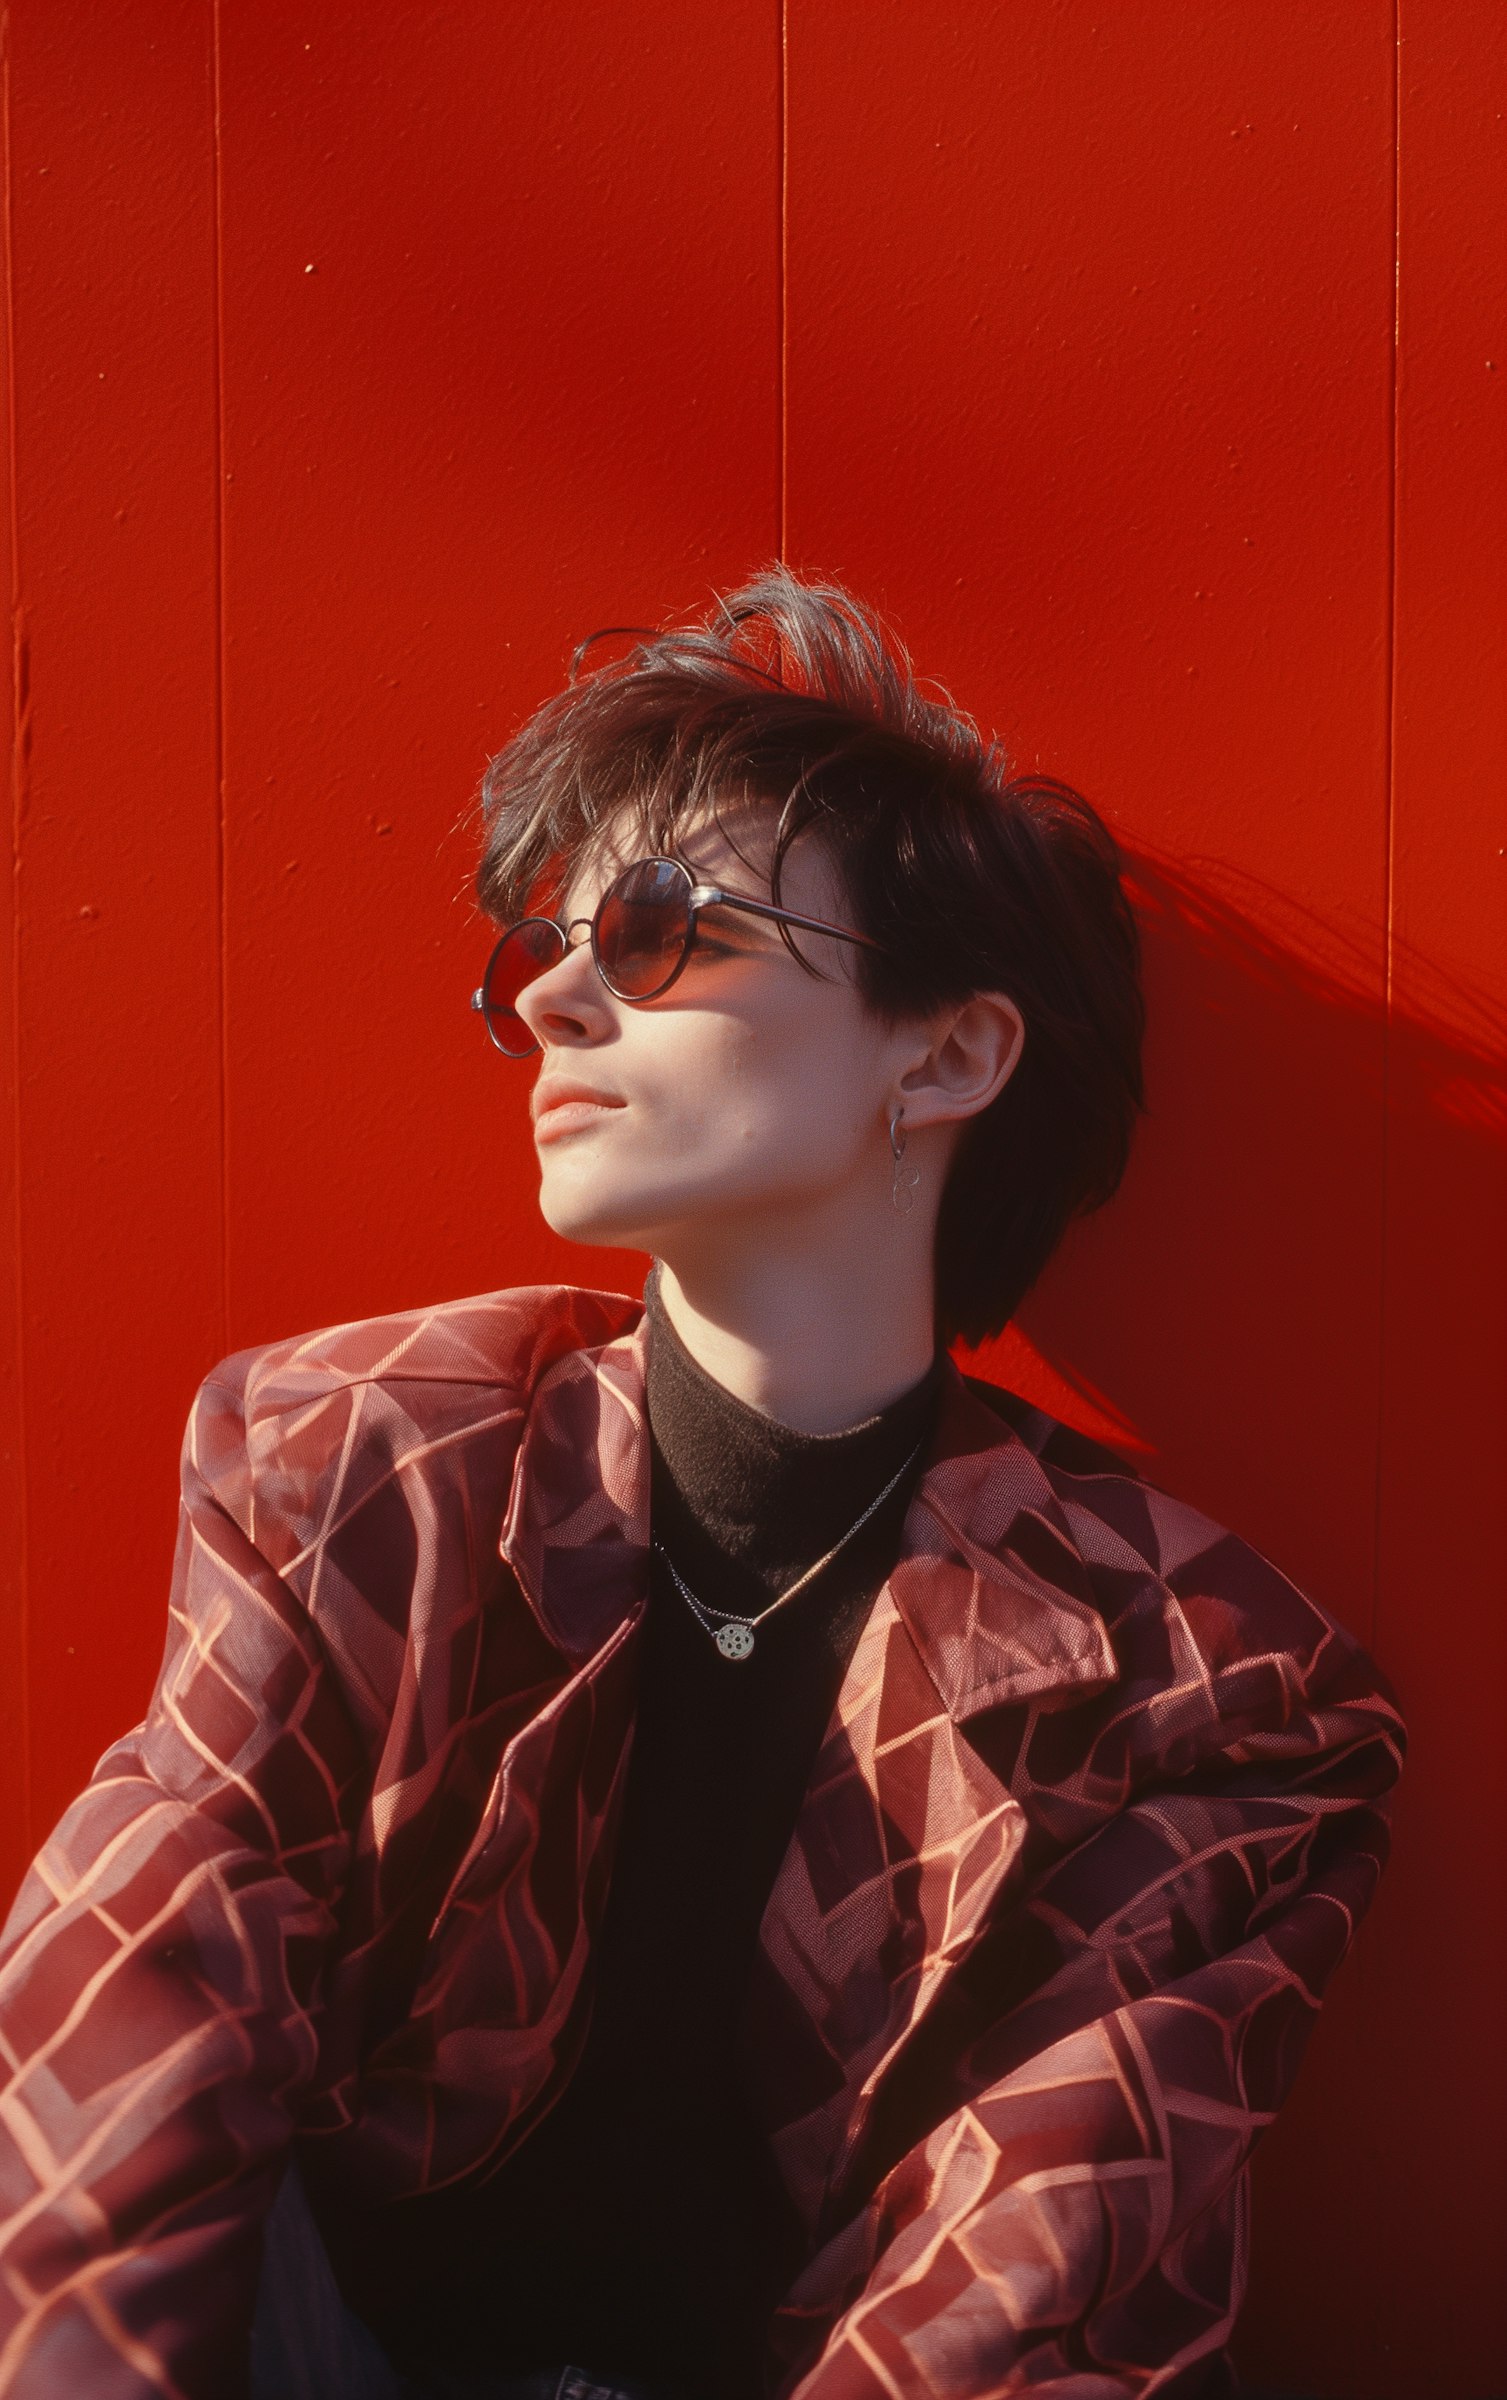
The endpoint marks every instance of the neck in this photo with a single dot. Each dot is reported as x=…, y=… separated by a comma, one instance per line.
x=815, y=1349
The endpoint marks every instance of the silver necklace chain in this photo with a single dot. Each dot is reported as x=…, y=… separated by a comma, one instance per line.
x=734, y=1634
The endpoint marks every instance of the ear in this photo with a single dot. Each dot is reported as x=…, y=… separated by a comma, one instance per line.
x=973, y=1050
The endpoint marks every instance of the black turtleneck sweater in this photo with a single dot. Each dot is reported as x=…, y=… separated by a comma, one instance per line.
x=641, y=2227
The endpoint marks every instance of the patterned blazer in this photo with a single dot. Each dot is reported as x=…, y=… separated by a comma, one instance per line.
x=1100, y=1801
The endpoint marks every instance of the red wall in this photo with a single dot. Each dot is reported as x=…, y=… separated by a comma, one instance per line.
x=1147, y=364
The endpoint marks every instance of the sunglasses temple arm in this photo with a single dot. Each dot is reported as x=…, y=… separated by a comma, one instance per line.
x=706, y=895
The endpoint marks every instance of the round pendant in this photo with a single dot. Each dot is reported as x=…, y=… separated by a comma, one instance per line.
x=735, y=1641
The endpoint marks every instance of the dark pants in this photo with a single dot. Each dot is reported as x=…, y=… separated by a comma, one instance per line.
x=307, y=2345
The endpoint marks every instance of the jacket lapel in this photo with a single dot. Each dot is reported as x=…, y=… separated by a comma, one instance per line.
x=576, y=1532
x=509, y=1947
x=905, y=1835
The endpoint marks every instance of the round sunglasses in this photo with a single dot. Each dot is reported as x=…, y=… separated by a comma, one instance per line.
x=643, y=930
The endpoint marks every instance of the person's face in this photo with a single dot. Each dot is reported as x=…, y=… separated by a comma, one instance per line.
x=746, y=1095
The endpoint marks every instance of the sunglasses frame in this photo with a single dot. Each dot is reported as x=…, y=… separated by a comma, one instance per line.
x=698, y=897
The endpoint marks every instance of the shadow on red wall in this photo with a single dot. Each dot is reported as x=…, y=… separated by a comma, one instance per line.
x=1289, y=1316
x=1225, y=1307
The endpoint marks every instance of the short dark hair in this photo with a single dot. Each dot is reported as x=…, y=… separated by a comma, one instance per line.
x=970, y=878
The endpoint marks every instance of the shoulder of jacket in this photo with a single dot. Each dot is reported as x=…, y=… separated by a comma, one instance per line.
x=499, y=1341
x=291, y=1434
x=1152, y=1558
x=1055, y=1444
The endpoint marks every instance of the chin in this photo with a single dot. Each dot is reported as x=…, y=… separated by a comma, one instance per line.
x=580, y=1216
x=619, y=1220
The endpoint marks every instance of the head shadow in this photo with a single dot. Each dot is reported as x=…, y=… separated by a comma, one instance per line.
x=1222, y=1320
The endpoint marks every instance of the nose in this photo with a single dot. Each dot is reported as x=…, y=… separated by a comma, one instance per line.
x=568, y=1006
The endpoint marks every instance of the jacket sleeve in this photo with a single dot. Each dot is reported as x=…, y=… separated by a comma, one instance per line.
x=1076, y=2224
x=157, y=1976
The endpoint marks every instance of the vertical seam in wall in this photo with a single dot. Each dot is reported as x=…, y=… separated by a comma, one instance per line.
x=784, y=277
x=20, y=778
x=221, y=926
x=1394, y=518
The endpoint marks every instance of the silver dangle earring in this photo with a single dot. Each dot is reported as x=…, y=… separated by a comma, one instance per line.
x=905, y=1181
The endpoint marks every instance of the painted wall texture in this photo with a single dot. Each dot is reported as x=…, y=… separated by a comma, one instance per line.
x=1147, y=365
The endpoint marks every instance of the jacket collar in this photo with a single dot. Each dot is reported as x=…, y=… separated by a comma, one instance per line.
x=989, y=1583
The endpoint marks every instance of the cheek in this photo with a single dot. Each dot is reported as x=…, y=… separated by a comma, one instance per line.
x=784, y=1073
x=808, y=1086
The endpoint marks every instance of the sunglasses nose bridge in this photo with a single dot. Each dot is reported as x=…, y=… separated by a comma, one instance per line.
x=571, y=940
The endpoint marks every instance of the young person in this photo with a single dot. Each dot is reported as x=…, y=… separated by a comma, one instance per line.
x=687, y=1850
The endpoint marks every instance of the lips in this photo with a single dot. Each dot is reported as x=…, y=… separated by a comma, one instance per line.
x=569, y=1102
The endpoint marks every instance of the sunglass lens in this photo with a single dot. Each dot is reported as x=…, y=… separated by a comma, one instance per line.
x=531, y=947
x=643, y=927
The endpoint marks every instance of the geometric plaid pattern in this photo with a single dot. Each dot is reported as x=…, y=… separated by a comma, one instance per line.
x=1100, y=1802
